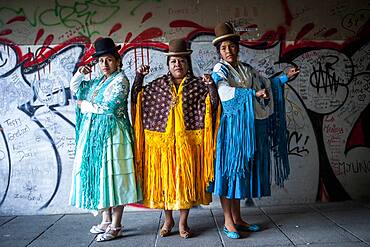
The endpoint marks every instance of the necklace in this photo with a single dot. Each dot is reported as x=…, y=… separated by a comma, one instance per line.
x=175, y=92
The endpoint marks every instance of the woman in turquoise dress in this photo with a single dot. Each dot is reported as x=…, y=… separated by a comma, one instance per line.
x=103, y=178
x=242, y=165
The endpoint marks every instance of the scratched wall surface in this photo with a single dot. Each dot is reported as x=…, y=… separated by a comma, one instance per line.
x=328, y=112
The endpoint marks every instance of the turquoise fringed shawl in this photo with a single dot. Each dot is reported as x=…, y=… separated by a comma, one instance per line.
x=101, y=128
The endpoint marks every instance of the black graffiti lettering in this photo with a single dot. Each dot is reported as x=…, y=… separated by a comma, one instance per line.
x=13, y=122
x=355, y=167
x=19, y=133
x=296, y=144
x=325, y=78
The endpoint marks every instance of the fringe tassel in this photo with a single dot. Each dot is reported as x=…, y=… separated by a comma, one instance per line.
x=279, y=134
x=209, y=145
x=139, y=140
x=260, y=172
x=176, y=176
x=92, y=159
x=234, y=148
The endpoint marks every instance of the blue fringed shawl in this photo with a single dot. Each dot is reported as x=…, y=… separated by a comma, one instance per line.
x=279, y=133
x=236, y=136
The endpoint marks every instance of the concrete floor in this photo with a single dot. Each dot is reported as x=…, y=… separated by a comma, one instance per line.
x=322, y=224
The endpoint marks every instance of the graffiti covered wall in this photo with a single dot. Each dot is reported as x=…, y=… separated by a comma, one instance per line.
x=328, y=112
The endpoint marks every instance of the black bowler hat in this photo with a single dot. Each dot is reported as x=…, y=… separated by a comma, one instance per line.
x=105, y=46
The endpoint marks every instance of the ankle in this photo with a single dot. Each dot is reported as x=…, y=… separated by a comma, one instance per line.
x=183, y=226
x=169, y=222
x=231, y=228
x=114, y=228
x=241, y=222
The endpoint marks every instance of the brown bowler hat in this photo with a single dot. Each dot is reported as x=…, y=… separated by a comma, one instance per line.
x=178, y=47
x=224, y=31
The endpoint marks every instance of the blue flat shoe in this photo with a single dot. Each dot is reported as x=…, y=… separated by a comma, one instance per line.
x=233, y=235
x=250, y=228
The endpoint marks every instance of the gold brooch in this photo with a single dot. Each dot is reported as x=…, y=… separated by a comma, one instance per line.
x=174, y=101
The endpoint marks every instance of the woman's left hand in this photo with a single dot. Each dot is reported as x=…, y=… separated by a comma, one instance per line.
x=292, y=72
x=79, y=102
x=263, y=93
x=143, y=69
x=207, y=79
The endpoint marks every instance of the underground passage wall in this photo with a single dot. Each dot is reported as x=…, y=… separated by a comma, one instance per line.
x=328, y=113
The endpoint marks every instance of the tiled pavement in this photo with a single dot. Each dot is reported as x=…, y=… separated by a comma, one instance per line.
x=344, y=224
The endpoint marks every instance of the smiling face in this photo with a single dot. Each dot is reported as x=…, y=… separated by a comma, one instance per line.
x=178, y=66
x=229, y=52
x=108, y=64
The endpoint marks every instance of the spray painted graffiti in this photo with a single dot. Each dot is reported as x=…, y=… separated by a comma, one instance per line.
x=327, y=103
x=75, y=18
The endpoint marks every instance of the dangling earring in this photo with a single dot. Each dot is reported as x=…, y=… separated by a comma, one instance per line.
x=118, y=67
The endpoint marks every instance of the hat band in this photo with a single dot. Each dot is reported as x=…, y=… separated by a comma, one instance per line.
x=180, y=53
x=226, y=36
x=108, y=51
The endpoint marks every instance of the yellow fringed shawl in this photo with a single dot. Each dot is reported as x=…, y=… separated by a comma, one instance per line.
x=175, y=167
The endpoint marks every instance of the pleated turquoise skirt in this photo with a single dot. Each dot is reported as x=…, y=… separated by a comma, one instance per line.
x=117, y=174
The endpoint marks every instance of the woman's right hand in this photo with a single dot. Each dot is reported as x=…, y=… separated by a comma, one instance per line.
x=143, y=70
x=263, y=93
x=85, y=69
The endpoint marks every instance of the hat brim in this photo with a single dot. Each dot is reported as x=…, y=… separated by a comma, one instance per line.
x=104, y=52
x=184, y=53
x=225, y=37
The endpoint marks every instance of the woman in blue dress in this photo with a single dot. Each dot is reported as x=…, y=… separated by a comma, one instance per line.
x=241, y=167
x=103, y=178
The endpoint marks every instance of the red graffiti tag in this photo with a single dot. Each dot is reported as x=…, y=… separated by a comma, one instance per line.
x=39, y=35
x=5, y=32
x=17, y=18
x=128, y=37
x=115, y=28
x=330, y=32
x=288, y=15
x=146, y=17
x=305, y=30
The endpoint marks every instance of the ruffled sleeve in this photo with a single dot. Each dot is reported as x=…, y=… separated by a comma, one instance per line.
x=115, y=96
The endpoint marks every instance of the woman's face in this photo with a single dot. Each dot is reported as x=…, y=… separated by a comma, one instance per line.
x=108, y=64
x=229, y=51
x=178, y=66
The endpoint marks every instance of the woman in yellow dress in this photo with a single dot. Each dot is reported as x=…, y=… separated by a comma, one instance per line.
x=174, y=123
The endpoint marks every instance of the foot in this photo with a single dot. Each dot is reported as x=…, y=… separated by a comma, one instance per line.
x=185, y=232
x=249, y=228
x=231, y=234
x=241, y=225
x=166, y=229
x=109, y=234
x=230, y=227
x=99, y=228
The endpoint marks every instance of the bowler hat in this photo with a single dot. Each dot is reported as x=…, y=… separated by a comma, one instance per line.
x=225, y=31
x=178, y=47
x=105, y=46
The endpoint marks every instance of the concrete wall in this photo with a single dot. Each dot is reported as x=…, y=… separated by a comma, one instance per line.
x=328, y=112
